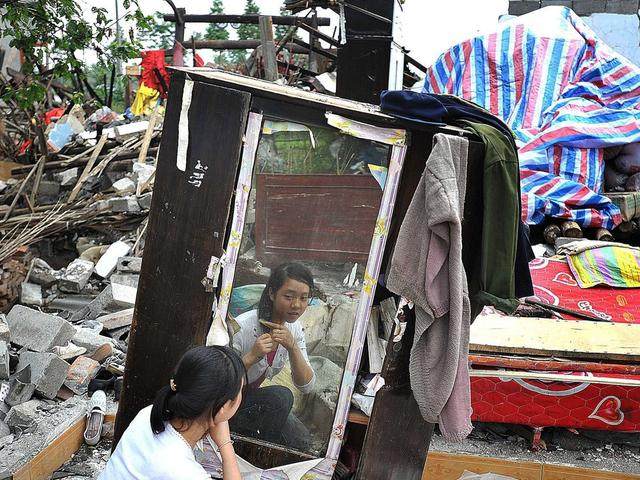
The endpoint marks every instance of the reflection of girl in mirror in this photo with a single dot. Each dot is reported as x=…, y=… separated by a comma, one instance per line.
x=268, y=338
x=159, y=443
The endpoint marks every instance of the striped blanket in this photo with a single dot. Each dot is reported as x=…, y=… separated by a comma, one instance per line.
x=564, y=93
x=616, y=266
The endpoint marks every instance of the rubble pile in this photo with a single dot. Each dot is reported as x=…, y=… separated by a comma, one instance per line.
x=72, y=226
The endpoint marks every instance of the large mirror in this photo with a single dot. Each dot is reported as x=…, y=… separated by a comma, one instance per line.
x=309, y=223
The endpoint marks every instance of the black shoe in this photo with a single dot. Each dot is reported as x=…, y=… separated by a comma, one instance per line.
x=105, y=380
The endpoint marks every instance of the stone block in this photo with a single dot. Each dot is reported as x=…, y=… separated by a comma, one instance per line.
x=76, y=276
x=38, y=331
x=42, y=274
x=4, y=360
x=123, y=295
x=48, y=371
x=116, y=320
x=88, y=339
x=523, y=7
x=556, y=3
x=129, y=265
x=4, y=329
x=67, y=178
x=625, y=7
x=142, y=172
x=30, y=294
x=588, y=7
x=107, y=263
x=145, y=201
x=125, y=279
x=124, y=185
x=81, y=372
x=49, y=189
x=23, y=416
x=124, y=205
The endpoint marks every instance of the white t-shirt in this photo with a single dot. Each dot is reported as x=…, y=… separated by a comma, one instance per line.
x=143, y=455
x=250, y=330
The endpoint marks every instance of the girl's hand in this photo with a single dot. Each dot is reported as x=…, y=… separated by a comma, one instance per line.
x=220, y=433
x=264, y=344
x=283, y=336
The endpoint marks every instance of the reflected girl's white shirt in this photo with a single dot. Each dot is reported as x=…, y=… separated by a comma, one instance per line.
x=250, y=330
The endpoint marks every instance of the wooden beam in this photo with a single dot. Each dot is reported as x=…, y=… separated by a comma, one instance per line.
x=268, y=48
x=552, y=337
x=186, y=228
x=54, y=455
x=241, y=45
x=451, y=466
x=252, y=18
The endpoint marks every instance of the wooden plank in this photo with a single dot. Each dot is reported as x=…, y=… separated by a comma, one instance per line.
x=449, y=466
x=395, y=445
x=87, y=169
x=358, y=417
x=186, y=228
x=54, y=455
x=561, y=472
x=268, y=48
x=553, y=337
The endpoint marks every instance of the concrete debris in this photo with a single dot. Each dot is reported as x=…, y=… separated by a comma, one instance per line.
x=36, y=330
x=42, y=274
x=124, y=205
x=88, y=339
x=113, y=321
x=23, y=416
x=124, y=186
x=76, y=276
x=20, y=387
x=5, y=431
x=48, y=189
x=145, y=201
x=128, y=280
x=31, y=294
x=4, y=360
x=48, y=371
x=67, y=178
x=81, y=372
x=107, y=263
x=4, y=328
x=129, y=265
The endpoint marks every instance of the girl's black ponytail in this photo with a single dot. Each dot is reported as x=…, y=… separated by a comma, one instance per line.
x=159, y=411
x=205, y=379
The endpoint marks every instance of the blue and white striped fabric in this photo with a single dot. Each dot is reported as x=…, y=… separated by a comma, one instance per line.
x=564, y=93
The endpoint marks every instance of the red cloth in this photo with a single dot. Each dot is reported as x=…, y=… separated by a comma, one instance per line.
x=154, y=59
x=198, y=61
x=54, y=113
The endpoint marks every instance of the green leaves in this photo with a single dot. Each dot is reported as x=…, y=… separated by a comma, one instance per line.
x=53, y=34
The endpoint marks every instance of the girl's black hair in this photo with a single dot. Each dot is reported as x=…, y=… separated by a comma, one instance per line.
x=205, y=379
x=293, y=270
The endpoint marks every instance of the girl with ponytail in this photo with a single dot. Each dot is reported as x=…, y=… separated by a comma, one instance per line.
x=203, y=394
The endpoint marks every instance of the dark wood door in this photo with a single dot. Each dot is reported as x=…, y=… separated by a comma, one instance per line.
x=187, y=225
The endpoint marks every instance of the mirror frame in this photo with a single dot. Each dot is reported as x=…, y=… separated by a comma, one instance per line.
x=218, y=335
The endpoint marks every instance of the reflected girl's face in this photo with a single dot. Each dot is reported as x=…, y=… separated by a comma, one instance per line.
x=290, y=301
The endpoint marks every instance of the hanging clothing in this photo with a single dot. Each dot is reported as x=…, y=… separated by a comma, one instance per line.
x=154, y=71
x=145, y=101
x=502, y=183
x=493, y=283
x=426, y=268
